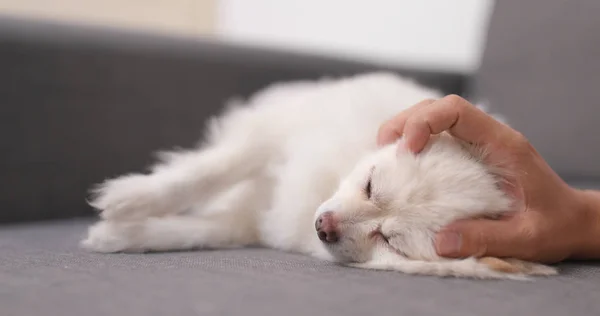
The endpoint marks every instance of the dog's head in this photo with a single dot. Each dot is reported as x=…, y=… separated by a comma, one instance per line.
x=394, y=200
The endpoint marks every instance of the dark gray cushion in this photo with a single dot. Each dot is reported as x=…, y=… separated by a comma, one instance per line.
x=79, y=104
x=540, y=68
x=42, y=272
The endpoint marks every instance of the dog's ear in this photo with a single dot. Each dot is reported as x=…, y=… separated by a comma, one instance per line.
x=500, y=265
x=515, y=266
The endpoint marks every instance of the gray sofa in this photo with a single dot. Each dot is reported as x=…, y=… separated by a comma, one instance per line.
x=80, y=104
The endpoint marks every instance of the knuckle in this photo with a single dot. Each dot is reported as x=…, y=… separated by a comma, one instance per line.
x=424, y=116
x=481, y=244
x=528, y=231
x=414, y=121
x=428, y=101
x=418, y=124
x=455, y=101
x=530, y=239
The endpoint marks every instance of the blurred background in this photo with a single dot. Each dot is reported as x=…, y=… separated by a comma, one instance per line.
x=406, y=33
x=534, y=62
x=80, y=104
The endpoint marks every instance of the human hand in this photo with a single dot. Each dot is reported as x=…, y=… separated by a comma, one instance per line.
x=552, y=221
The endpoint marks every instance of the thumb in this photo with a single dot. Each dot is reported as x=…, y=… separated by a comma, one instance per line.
x=478, y=237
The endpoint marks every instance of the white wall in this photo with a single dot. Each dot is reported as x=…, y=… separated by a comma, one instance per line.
x=434, y=34
x=188, y=17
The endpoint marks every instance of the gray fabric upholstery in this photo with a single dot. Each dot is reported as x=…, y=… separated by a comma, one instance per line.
x=540, y=68
x=43, y=272
x=79, y=104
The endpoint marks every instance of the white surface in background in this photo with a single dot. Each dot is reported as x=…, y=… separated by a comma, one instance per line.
x=432, y=34
x=188, y=17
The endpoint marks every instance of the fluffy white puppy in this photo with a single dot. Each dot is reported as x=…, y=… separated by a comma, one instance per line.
x=297, y=168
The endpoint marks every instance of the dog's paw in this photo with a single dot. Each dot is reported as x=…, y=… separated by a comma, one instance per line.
x=110, y=237
x=128, y=197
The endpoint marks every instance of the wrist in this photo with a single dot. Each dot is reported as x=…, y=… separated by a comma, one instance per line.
x=589, y=209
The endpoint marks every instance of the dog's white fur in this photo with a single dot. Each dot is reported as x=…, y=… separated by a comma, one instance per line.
x=271, y=165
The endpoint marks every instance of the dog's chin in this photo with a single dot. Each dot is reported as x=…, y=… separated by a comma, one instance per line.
x=341, y=255
x=341, y=259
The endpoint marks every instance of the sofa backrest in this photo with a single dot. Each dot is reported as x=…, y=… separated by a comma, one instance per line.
x=541, y=70
x=81, y=104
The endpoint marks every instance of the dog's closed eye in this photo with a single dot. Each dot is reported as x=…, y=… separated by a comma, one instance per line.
x=393, y=244
x=368, y=188
x=369, y=185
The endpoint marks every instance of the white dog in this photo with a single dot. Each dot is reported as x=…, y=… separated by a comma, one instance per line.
x=297, y=168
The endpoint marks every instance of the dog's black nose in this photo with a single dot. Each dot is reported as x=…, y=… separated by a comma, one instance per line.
x=326, y=226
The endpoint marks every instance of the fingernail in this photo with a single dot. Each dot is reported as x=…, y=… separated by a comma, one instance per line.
x=448, y=243
x=408, y=147
x=400, y=146
x=401, y=142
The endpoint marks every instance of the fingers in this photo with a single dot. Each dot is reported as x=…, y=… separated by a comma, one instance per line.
x=482, y=237
x=393, y=128
x=451, y=113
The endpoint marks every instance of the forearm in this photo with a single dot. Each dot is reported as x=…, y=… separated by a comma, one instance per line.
x=590, y=244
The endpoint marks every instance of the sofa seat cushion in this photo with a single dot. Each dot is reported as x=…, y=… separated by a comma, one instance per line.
x=43, y=272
